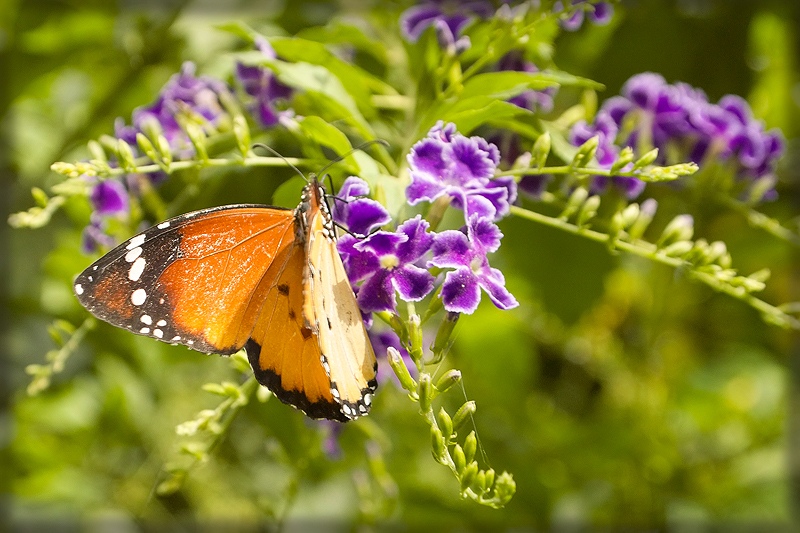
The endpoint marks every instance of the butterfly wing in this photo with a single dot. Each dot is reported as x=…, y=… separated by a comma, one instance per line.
x=330, y=308
x=198, y=279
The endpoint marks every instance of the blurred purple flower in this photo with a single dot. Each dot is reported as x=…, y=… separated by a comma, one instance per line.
x=448, y=17
x=185, y=97
x=94, y=235
x=385, y=263
x=262, y=84
x=109, y=197
x=679, y=119
x=466, y=253
x=359, y=214
x=599, y=14
x=448, y=163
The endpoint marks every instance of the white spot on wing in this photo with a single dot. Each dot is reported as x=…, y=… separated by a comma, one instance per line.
x=161, y=323
x=176, y=338
x=163, y=225
x=138, y=297
x=131, y=256
x=146, y=319
x=135, y=242
x=158, y=333
x=136, y=269
x=144, y=330
x=78, y=289
x=367, y=399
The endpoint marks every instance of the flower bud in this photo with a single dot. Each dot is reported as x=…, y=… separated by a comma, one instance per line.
x=400, y=370
x=424, y=393
x=438, y=446
x=576, y=200
x=463, y=414
x=459, y=460
x=125, y=154
x=198, y=138
x=446, y=424
x=625, y=157
x=469, y=475
x=147, y=147
x=586, y=152
x=96, y=149
x=646, y=213
x=646, y=159
x=681, y=228
x=450, y=378
x=541, y=149
x=588, y=210
x=470, y=446
x=242, y=133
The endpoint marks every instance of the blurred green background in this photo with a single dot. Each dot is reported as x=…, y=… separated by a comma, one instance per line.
x=618, y=393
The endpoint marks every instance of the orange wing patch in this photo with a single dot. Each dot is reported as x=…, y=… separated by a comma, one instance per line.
x=284, y=351
x=217, y=281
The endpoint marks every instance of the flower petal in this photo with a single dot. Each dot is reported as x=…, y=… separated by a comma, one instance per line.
x=357, y=263
x=377, y=293
x=419, y=240
x=451, y=249
x=485, y=234
x=381, y=243
x=415, y=20
x=493, y=283
x=412, y=282
x=363, y=215
x=460, y=291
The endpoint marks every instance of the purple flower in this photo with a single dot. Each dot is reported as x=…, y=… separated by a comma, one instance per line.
x=262, y=84
x=109, y=197
x=599, y=13
x=530, y=99
x=385, y=263
x=466, y=253
x=185, y=98
x=360, y=215
x=448, y=17
x=94, y=235
x=679, y=119
x=448, y=163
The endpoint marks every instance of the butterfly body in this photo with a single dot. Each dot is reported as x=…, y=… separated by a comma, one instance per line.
x=264, y=278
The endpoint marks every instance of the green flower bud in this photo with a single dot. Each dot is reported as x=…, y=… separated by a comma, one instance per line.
x=198, y=138
x=459, y=460
x=489, y=478
x=679, y=249
x=540, y=150
x=468, y=477
x=96, y=149
x=646, y=213
x=586, y=152
x=147, y=147
x=401, y=370
x=446, y=425
x=625, y=157
x=125, y=154
x=450, y=378
x=438, y=446
x=588, y=210
x=576, y=200
x=242, y=133
x=681, y=228
x=470, y=446
x=463, y=414
x=646, y=159
x=424, y=393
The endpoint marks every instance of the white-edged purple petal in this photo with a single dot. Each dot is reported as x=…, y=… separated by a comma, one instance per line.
x=412, y=282
x=451, y=249
x=423, y=187
x=358, y=264
x=377, y=293
x=460, y=291
x=381, y=243
x=493, y=283
x=419, y=240
x=485, y=234
x=472, y=166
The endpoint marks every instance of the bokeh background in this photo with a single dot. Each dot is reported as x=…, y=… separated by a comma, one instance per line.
x=619, y=393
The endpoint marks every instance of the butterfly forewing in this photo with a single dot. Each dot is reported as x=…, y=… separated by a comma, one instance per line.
x=192, y=279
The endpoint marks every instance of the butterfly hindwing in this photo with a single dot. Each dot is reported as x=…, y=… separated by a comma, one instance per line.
x=191, y=279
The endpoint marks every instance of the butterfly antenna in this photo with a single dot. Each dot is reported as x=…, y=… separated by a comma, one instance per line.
x=265, y=147
x=356, y=149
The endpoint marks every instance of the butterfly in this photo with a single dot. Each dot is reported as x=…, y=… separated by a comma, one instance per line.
x=264, y=278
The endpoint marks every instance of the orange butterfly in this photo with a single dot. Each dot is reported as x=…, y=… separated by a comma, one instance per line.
x=264, y=278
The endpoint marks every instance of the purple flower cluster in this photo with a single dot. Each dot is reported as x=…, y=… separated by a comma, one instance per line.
x=266, y=91
x=446, y=163
x=184, y=98
x=448, y=17
x=387, y=263
x=598, y=13
x=681, y=118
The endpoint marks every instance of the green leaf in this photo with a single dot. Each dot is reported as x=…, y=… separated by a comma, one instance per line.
x=325, y=134
x=337, y=32
x=288, y=192
x=473, y=112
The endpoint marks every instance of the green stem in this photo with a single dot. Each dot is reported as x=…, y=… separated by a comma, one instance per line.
x=650, y=251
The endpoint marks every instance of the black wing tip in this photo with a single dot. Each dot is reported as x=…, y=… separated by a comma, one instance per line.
x=340, y=412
